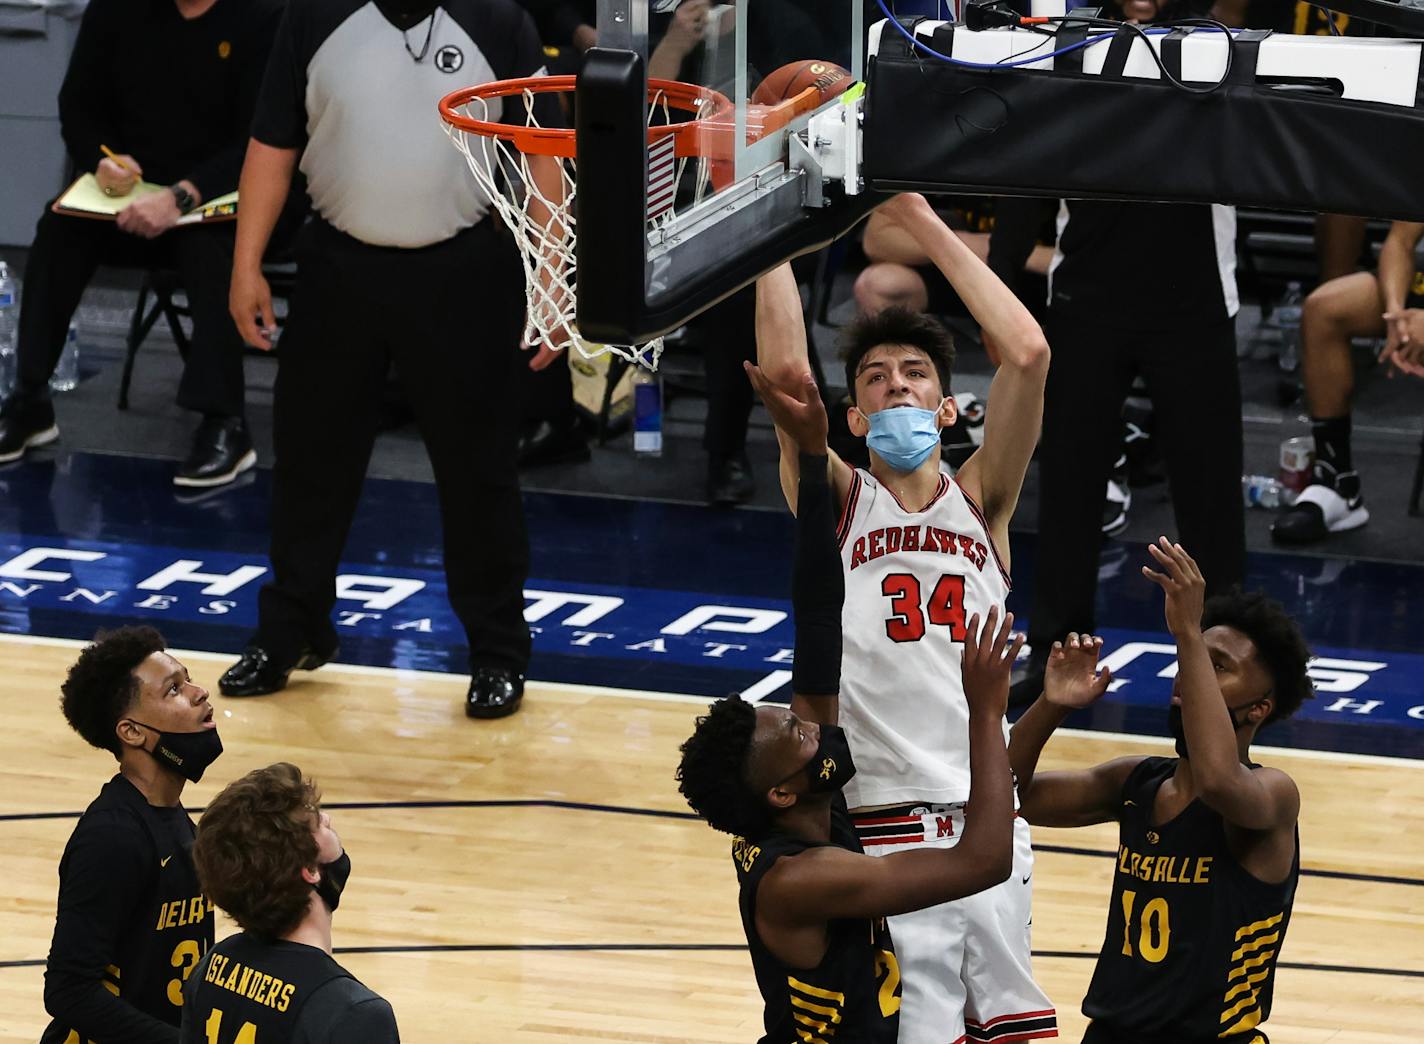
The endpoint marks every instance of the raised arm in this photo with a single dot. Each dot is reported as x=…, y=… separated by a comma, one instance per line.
x=782, y=373
x=1253, y=799
x=1080, y=797
x=817, y=585
x=994, y=475
x=830, y=882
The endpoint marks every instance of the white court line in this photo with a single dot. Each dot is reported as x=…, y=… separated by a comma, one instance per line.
x=678, y=697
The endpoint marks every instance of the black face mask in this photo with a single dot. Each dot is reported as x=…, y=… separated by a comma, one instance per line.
x=831, y=767
x=333, y=880
x=1179, y=733
x=186, y=753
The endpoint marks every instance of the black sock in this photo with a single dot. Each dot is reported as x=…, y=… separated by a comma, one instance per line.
x=1332, y=446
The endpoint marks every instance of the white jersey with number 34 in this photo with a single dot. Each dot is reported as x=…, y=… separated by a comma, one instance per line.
x=913, y=580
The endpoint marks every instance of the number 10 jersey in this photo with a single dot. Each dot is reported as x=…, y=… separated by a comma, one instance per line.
x=913, y=580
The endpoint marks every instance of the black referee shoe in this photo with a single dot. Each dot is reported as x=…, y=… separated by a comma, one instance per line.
x=495, y=692
x=259, y=672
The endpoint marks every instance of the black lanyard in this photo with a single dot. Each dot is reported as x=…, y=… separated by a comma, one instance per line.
x=425, y=48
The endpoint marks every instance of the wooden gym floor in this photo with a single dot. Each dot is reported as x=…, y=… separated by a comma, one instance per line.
x=536, y=879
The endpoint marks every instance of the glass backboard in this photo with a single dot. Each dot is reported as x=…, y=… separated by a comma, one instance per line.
x=663, y=237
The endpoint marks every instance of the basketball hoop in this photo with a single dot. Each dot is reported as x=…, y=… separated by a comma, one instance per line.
x=492, y=147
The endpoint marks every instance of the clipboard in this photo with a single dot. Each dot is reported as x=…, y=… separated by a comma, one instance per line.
x=87, y=200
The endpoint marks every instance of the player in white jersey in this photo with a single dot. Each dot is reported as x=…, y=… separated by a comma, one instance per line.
x=922, y=552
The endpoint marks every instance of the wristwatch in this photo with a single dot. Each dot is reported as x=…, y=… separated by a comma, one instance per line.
x=183, y=198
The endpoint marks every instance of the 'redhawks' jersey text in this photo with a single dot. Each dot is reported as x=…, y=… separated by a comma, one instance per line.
x=913, y=580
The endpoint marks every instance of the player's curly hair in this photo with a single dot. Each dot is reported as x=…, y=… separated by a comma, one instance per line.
x=101, y=686
x=712, y=775
x=1279, y=643
x=896, y=325
x=253, y=841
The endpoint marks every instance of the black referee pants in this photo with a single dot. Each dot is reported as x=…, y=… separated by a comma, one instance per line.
x=65, y=253
x=448, y=318
x=1191, y=377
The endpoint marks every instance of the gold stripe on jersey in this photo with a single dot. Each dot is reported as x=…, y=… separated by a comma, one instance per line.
x=1252, y=929
x=1251, y=966
x=111, y=979
x=827, y=1004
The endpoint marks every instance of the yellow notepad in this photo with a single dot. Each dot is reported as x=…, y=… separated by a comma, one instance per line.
x=86, y=199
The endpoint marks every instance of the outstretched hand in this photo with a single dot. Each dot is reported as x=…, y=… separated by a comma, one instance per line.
x=1071, y=677
x=988, y=661
x=1183, y=583
x=799, y=412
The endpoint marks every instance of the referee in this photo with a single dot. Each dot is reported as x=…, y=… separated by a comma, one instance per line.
x=401, y=265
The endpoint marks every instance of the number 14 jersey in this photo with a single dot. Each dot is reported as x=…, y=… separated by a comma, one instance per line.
x=913, y=580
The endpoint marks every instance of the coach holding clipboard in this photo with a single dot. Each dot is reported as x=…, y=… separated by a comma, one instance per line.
x=167, y=87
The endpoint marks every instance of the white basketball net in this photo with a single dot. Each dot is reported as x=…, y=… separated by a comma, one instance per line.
x=547, y=249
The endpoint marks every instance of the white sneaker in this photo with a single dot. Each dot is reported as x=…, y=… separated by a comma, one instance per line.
x=1319, y=511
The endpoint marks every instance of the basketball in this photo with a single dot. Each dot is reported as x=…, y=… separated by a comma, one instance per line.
x=790, y=80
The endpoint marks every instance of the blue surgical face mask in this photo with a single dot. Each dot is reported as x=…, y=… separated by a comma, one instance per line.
x=903, y=436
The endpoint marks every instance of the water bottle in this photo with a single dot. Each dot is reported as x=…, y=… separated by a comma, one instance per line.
x=1261, y=491
x=647, y=412
x=1288, y=314
x=66, y=371
x=9, y=313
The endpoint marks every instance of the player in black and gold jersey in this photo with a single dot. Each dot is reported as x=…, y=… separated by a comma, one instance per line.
x=813, y=905
x=131, y=921
x=266, y=854
x=1208, y=853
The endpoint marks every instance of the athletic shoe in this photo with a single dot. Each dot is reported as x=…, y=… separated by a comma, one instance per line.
x=222, y=450
x=25, y=425
x=1321, y=510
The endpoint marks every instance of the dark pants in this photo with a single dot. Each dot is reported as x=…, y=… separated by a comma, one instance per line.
x=1191, y=377
x=63, y=258
x=448, y=317
x=728, y=333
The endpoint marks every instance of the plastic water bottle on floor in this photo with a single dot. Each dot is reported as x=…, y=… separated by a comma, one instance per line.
x=9, y=316
x=1288, y=314
x=647, y=412
x=1261, y=491
x=66, y=372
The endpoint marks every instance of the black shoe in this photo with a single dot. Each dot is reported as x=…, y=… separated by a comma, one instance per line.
x=1027, y=681
x=222, y=450
x=259, y=673
x=542, y=443
x=25, y=425
x=495, y=692
x=730, y=481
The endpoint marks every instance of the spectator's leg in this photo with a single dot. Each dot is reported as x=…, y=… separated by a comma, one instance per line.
x=1334, y=313
x=1339, y=239
x=63, y=257
x=329, y=382
x=549, y=432
x=728, y=333
x=886, y=284
x=212, y=381
x=1082, y=436
x=463, y=382
x=1195, y=387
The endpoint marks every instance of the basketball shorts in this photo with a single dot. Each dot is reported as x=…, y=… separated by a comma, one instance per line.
x=965, y=969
